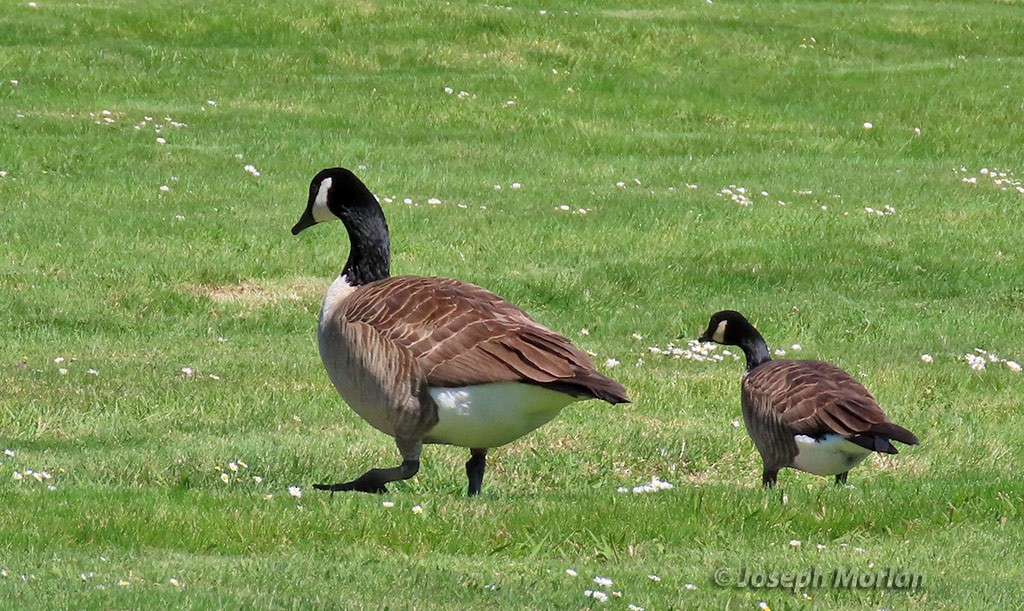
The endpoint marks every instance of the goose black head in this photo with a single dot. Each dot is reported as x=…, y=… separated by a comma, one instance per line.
x=729, y=327
x=336, y=194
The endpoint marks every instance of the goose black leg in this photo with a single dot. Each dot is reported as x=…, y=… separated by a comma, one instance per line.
x=475, y=469
x=769, y=477
x=841, y=478
x=374, y=480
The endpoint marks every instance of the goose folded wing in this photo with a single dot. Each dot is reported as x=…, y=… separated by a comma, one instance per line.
x=816, y=398
x=462, y=335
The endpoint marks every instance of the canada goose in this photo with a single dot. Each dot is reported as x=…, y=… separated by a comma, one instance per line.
x=434, y=360
x=808, y=415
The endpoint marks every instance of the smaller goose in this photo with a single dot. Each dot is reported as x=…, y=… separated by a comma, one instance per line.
x=808, y=415
x=434, y=360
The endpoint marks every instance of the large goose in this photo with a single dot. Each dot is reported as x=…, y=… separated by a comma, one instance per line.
x=434, y=360
x=808, y=415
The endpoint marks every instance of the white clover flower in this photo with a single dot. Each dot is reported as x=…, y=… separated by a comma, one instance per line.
x=257, y=479
x=417, y=510
x=927, y=358
x=92, y=372
x=388, y=504
x=654, y=578
x=224, y=477
x=604, y=582
x=164, y=188
x=796, y=347
x=62, y=371
x=868, y=125
x=690, y=586
x=8, y=452
x=233, y=466
x=58, y=360
x=596, y=595
x=174, y=582
x=1014, y=366
x=161, y=141
x=633, y=607
x=295, y=491
x=16, y=476
x=584, y=331
x=571, y=573
x=976, y=362
x=516, y=185
x=433, y=201
x=795, y=543
x=187, y=371
x=611, y=363
x=780, y=352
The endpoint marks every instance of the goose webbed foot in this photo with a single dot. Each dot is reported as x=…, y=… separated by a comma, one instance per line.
x=841, y=478
x=363, y=484
x=374, y=480
x=769, y=477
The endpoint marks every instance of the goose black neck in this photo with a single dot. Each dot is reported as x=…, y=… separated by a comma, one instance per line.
x=369, y=256
x=755, y=349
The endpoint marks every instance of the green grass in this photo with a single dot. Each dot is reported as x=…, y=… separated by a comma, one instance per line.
x=102, y=268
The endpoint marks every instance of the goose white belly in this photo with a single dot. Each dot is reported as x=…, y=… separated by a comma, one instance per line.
x=491, y=415
x=827, y=455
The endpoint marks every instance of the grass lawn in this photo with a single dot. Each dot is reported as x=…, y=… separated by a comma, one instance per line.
x=848, y=175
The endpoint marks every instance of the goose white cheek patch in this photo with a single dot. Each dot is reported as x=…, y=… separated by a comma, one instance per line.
x=321, y=213
x=719, y=335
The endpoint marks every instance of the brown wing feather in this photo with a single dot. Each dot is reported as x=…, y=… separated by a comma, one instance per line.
x=461, y=334
x=816, y=398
